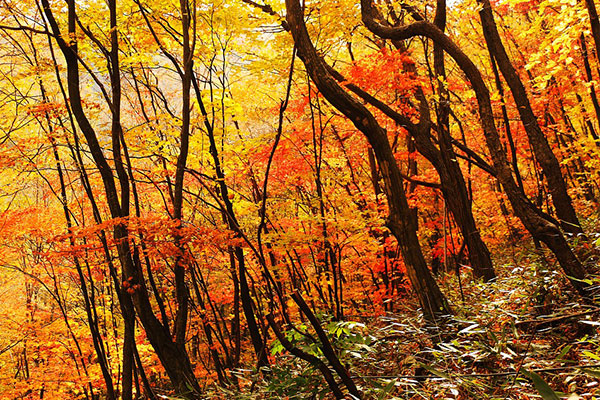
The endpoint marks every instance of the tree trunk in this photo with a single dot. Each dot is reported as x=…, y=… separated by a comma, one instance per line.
x=537, y=223
x=539, y=144
x=401, y=221
x=451, y=177
x=173, y=356
x=594, y=24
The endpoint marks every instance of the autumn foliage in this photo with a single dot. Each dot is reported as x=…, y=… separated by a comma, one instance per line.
x=196, y=202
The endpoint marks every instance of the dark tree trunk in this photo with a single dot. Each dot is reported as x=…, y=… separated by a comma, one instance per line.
x=540, y=225
x=451, y=177
x=443, y=160
x=258, y=342
x=594, y=24
x=590, y=78
x=173, y=356
x=539, y=144
x=401, y=221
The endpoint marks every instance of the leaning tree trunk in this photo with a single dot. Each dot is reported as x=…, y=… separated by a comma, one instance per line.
x=173, y=356
x=537, y=223
x=594, y=24
x=453, y=183
x=539, y=144
x=401, y=221
x=443, y=159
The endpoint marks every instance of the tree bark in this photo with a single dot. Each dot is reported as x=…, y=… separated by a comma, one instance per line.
x=589, y=79
x=539, y=144
x=594, y=24
x=537, y=223
x=454, y=187
x=173, y=357
x=401, y=221
x=237, y=253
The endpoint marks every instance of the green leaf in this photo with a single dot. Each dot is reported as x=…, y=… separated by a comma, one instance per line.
x=564, y=352
x=591, y=355
x=277, y=347
x=587, y=281
x=542, y=387
x=592, y=372
x=436, y=371
x=387, y=389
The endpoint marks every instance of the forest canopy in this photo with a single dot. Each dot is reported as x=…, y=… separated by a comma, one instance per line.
x=299, y=199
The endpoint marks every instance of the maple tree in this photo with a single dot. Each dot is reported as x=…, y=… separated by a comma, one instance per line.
x=193, y=191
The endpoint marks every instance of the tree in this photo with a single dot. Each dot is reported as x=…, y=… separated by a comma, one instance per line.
x=402, y=221
x=547, y=160
x=539, y=224
x=246, y=197
x=172, y=353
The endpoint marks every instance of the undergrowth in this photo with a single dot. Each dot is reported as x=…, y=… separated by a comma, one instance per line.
x=525, y=335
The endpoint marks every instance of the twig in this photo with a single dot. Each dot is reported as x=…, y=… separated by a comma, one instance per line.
x=488, y=375
x=543, y=321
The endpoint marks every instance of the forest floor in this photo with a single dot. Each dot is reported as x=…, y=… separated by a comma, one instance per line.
x=524, y=336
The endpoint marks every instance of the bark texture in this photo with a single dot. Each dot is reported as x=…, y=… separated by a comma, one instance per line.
x=401, y=221
x=539, y=144
x=540, y=225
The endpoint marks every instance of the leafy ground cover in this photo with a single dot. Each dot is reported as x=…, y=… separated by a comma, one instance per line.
x=523, y=336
